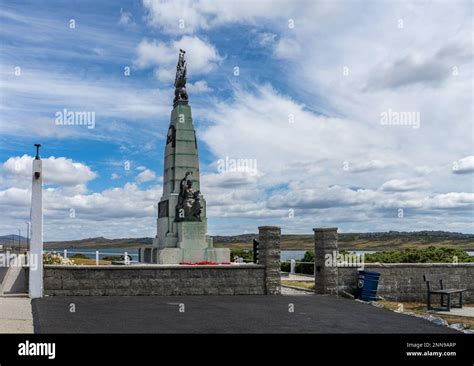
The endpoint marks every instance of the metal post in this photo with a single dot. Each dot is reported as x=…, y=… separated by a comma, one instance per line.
x=293, y=266
x=96, y=257
x=19, y=241
x=127, y=261
x=65, y=254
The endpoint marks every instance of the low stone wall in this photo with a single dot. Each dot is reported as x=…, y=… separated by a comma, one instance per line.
x=404, y=281
x=159, y=280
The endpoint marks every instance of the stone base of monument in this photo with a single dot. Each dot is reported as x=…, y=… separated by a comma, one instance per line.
x=192, y=235
x=179, y=255
x=191, y=244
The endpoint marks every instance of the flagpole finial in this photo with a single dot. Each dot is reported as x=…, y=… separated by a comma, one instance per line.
x=37, y=151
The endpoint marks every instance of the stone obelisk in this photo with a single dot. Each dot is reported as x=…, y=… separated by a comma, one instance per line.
x=182, y=222
x=36, y=251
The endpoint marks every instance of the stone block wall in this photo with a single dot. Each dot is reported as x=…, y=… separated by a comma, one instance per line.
x=404, y=281
x=398, y=281
x=166, y=280
x=157, y=280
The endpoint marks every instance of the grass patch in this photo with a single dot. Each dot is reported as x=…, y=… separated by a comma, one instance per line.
x=89, y=262
x=305, y=285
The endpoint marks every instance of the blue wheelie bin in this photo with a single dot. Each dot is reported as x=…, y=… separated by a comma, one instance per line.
x=367, y=283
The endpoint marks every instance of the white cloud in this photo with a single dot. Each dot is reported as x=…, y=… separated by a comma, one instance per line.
x=126, y=17
x=283, y=135
x=165, y=74
x=56, y=170
x=287, y=48
x=199, y=86
x=121, y=208
x=115, y=176
x=146, y=176
x=464, y=165
x=184, y=16
x=151, y=53
x=15, y=197
x=418, y=68
x=321, y=197
x=403, y=185
x=201, y=55
x=48, y=92
x=368, y=200
x=451, y=200
x=367, y=166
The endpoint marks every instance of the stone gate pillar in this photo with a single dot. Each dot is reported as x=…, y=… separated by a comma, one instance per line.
x=325, y=255
x=269, y=255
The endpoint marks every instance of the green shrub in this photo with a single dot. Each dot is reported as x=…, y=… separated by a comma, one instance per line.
x=79, y=256
x=113, y=258
x=246, y=254
x=308, y=256
x=417, y=255
x=422, y=255
x=305, y=268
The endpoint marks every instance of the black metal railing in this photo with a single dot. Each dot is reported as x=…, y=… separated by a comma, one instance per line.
x=255, y=251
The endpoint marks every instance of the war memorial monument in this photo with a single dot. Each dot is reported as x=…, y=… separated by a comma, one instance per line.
x=182, y=222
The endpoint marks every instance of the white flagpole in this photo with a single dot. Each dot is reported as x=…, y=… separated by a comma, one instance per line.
x=36, y=251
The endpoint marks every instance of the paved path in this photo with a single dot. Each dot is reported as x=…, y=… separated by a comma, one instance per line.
x=297, y=277
x=15, y=314
x=465, y=311
x=220, y=314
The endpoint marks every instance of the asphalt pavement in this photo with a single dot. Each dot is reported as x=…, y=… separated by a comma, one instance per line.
x=220, y=314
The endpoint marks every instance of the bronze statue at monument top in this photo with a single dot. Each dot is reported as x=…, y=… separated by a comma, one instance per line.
x=180, y=94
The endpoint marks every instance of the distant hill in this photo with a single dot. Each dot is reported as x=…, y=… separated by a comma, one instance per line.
x=100, y=242
x=390, y=240
x=8, y=241
x=370, y=241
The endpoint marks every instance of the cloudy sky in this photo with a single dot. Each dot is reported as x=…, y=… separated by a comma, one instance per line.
x=353, y=114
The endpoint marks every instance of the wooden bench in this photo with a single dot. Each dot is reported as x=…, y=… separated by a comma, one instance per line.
x=437, y=279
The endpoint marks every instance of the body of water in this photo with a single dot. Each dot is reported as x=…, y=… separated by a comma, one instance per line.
x=286, y=255
x=103, y=252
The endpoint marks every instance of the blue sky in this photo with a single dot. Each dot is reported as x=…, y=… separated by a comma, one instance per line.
x=314, y=80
